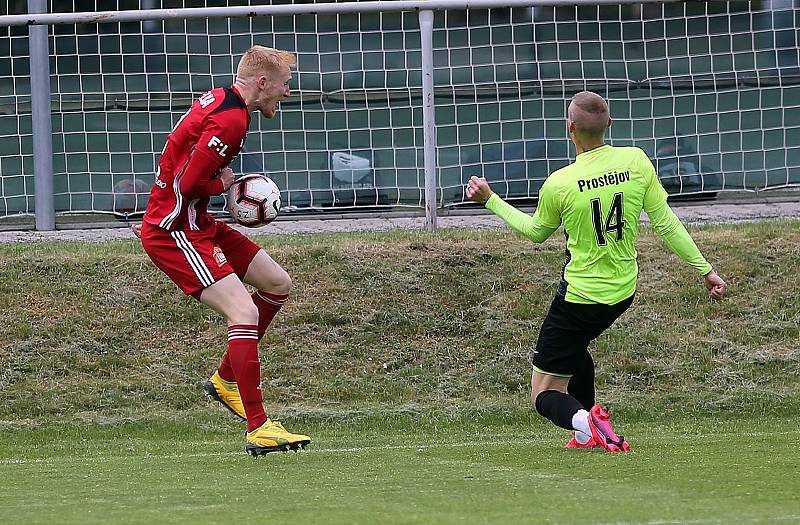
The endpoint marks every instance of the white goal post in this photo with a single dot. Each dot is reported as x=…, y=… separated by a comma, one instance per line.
x=396, y=103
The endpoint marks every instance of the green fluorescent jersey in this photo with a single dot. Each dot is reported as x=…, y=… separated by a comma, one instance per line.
x=599, y=199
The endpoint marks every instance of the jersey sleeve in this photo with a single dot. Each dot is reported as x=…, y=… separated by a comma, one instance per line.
x=677, y=239
x=655, y=195
x=537, y=228
x=215, y=149
x=548, y=209
x=667, y=224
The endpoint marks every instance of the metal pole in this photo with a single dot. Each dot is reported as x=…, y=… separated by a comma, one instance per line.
x=135, y=15
x=41, y=124
x=428, y=119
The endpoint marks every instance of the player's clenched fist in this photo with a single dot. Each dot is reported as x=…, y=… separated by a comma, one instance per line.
x=715, y=285
x=478, y=189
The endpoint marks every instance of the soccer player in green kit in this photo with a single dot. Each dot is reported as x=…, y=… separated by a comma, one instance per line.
x=598, y=199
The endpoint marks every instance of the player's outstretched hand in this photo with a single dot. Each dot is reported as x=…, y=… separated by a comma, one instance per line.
x=137, y=230
x=478, y=190
x=226, y=176
x=715, y=285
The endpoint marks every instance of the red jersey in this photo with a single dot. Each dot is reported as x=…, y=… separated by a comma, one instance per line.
x=205, y=140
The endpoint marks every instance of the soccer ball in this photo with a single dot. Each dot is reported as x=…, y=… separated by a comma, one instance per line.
x=254, y=200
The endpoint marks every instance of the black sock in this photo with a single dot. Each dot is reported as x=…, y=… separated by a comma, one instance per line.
x=581, y=384
x=558, y=407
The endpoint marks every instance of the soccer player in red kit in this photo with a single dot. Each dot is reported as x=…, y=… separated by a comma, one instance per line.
x=208, y=259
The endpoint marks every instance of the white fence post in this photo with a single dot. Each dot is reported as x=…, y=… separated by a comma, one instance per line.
x=41, y=125
x=428, y=118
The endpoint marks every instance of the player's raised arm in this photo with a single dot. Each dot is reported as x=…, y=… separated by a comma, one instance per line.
x=533, y=227
x=211, y=155
x=478, y=190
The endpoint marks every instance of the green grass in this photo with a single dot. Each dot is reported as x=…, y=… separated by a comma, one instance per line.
x=705, y=470
x=418, y=321
x=406, y=357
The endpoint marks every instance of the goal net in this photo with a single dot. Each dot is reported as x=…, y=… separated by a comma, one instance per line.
x=710, y=90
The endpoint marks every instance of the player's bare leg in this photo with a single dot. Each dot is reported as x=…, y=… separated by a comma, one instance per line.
x=229, y=297
x=267, y=275
x=541, y=382
x=263, y=434
x=272, y=285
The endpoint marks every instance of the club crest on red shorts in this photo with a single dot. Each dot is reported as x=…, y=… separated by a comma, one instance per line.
x=219, y=256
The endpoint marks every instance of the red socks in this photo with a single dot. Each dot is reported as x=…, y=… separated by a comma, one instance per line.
x=241, y=364
x=243, y=360
x=268, y=305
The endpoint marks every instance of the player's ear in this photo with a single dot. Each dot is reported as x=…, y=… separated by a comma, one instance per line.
x=609, y=122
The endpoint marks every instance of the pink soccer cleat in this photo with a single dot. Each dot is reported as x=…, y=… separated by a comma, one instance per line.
x=602, y=433
x=574, y=443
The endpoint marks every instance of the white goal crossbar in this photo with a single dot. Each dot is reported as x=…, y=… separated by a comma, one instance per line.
x=138, y=15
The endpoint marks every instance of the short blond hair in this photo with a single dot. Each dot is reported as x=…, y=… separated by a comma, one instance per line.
x=260, y=59
x=589, y=112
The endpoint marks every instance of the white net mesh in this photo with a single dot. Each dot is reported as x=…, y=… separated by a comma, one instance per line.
x=16, y=145
x=709, y=89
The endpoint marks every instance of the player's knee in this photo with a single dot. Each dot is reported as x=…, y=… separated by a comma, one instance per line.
x=282, y=283
x=538, y=399
x=286, y=283
x=269, y=278
x=534, y=395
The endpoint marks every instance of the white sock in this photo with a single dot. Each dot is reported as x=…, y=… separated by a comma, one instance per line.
x=582, y=438
x=580, y=422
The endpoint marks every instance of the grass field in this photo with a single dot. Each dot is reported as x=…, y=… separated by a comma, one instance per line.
x=741, y=470
x=405, y=357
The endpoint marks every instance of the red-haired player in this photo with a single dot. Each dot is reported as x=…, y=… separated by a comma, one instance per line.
x=206, y=258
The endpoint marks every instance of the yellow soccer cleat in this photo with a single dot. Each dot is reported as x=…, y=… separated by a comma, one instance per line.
x=226, y=393
x=272, y=437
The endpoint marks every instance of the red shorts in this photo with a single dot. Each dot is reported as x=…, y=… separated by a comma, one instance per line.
x=196, y=259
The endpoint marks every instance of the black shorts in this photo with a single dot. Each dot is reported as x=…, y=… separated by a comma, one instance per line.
x=567, y=331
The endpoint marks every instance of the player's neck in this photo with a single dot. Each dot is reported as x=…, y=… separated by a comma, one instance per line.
x=246, y=92
x=584, y=146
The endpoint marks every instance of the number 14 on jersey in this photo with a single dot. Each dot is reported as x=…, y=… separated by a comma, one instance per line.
x=614, y=221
